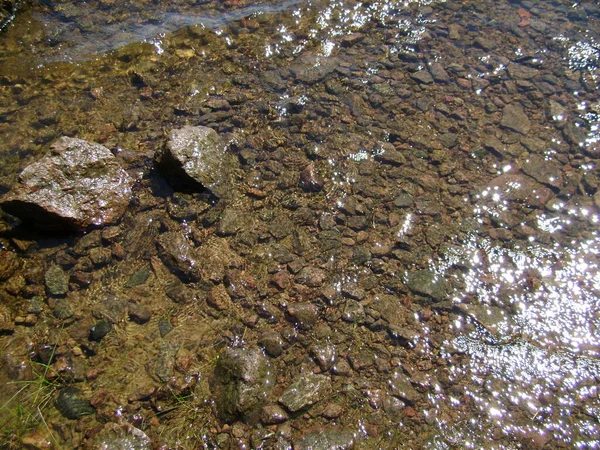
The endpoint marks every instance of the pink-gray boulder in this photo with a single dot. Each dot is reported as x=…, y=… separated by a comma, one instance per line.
x=78, y=185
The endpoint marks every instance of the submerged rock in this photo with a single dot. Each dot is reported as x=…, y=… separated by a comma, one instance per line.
x=242, y=380
x=332, y=438
x=179, y=255
x=307, y=390
x=72, y=404
x=515, y=119
x=427, y=282
x=196, y=157
x=114, y=435
x=80, y=184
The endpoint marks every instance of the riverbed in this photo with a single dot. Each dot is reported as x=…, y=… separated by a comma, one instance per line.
x=404, y=253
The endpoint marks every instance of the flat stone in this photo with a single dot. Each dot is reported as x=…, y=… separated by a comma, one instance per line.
x=305, y=391
x=57, y=280
x=546, y=172
x=426, y=282
x=521, y=188
x=422, y=77
x=80, y=184
x=332, y=438
x=515, y=119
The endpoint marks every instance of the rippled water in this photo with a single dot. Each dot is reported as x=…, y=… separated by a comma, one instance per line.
x=499, y=207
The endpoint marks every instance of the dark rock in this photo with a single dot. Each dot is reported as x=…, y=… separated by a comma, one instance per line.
x=242, y=380
x=57, y=281
x=332, y=438
x=515, y=119
x=427, y=282
x=72, y=404
x=99, y=330
x=310, y=180
x=305, y=391
x=80, y=184
x=196, y=157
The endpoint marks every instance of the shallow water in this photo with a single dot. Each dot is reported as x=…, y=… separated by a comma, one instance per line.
x=448, y=266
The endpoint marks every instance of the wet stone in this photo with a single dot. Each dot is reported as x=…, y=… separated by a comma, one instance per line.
x=522, y=188
x=63, y=309
x=515, y=119
x=426, y=282
x=139, y=277
x=179, y=255
x=80, y=184
x=57, y=281
x=218, y=298
x=121, y=436
x=310, y=276
x=72, y=403
x=242, y=380
x=272, y=343
x=389, y=155
x=324, y=355
x=353, y=312
x=543, y=171
x=232, y=220
x=164, y=326
x=194, y=156
x=139, y=314
x=304, y=315
x=164, y=363
x=305, y=391
x=422, y=77
x=400, y=386
x=100, y=256
x=310, y=180
x=326, y=439
x=99, y=330
x=273, y=414
x=9, y=264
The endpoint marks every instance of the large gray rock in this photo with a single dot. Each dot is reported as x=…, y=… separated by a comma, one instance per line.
x=196, y=157
x=242, y=381
x=78, y=185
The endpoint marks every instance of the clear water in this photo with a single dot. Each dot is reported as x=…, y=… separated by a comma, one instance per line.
x=504, y=209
